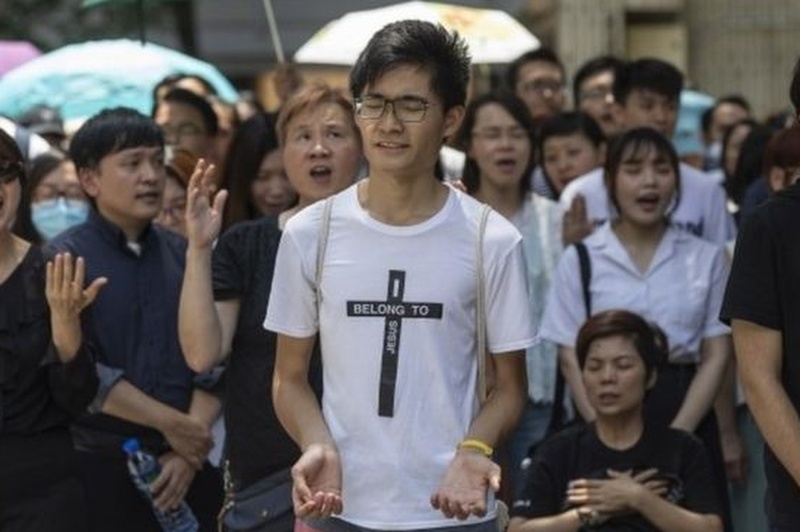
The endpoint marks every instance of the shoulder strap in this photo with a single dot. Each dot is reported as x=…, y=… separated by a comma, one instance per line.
x=557, y=418
x=480, y=308
x=322, y=244
x=586, y=276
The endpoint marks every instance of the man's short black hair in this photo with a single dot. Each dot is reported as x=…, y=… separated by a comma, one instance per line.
x=203, y=106
x=413, y=42
x=735, y=99
x=591, y=68
x=544, y=55
x=649, y=74
x=111, y=131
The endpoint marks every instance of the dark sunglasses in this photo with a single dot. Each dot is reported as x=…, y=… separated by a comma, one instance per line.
x=11, y=171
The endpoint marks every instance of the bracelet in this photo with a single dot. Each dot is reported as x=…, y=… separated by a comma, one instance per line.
x=477, y=445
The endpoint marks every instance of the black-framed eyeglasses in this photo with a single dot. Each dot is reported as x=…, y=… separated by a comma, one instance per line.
x=405, y=108
x=541, y=86
x=597, y=94
x=11, y=171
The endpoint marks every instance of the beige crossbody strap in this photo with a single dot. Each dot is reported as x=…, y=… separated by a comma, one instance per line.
x=322, y=245
x=480, y=309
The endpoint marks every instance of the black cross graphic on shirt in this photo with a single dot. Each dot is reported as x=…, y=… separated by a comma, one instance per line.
x=394, y=310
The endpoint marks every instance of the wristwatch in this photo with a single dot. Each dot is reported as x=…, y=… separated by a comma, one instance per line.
x=589, y=517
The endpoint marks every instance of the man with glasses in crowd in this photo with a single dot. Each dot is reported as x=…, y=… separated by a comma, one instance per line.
x=401, y=442
x=188, y=121
x=593, y=90
x=538, y=78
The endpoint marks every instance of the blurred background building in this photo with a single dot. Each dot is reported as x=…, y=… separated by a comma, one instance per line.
x=723, y=46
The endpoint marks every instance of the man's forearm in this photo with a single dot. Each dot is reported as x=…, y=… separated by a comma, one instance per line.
x=503, y=408
x=299, y=412
x=759, y=354
x=205, y=407
x=128, y=402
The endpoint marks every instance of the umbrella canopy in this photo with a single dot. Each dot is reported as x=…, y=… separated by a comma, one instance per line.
x=687, y=137
x=139, y=10
x=493, y=36
x=15, y=53
x=81, y=79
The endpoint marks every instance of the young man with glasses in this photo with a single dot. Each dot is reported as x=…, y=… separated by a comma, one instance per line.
x=188, y=121
x=400, y=442
x=538, y=78
x=593, y=91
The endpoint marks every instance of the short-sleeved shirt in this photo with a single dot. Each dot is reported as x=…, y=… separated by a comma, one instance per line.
x=701, y=211
x=764, y=288
x=256, y=443
x=578, y=453
x=681, y=290
x=132, y=324
x=401, y=296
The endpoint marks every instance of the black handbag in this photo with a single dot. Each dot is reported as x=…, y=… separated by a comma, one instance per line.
x=261, y=507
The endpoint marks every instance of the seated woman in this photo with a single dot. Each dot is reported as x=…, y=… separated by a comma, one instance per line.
x=618, y=472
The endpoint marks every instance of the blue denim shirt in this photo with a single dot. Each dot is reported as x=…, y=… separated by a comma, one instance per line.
x=133, y=323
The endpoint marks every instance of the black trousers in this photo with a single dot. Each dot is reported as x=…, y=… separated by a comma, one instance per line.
x=115, y=505
x=59, y=507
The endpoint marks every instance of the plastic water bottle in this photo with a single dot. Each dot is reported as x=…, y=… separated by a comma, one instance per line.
x=144, y=469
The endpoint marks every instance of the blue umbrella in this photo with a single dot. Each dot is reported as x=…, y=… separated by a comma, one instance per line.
x=687, y=138
x=81, y=79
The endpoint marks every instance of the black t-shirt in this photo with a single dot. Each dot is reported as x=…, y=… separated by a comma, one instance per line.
x=764, y=288
x=243, y=264
x=577, y=453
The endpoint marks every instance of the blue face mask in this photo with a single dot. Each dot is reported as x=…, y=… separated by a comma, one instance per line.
x=52, y=217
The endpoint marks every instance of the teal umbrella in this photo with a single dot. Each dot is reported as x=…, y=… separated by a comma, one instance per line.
x=81, y=79
x=688, y=135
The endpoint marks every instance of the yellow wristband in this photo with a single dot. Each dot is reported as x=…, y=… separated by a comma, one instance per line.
x=477, y=445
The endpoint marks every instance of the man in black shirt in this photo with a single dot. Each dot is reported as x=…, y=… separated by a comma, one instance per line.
x=145, y=390
x=762, y=303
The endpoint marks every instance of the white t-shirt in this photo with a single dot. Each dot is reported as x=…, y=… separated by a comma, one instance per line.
x=424, y=277
x=702, y=209
x=681, y=291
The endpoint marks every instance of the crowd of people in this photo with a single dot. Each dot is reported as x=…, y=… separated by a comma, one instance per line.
x=558, y=329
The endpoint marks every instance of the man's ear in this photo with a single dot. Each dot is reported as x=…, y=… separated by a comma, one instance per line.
x=89, y=179
x=452, y=121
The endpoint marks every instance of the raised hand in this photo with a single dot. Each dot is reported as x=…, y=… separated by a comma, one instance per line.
x=67, y=298
x=317, y=482
x=203, y=214
x=466, y=484
x=576, y=225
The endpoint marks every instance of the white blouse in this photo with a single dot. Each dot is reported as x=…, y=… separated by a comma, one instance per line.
x=681, y=291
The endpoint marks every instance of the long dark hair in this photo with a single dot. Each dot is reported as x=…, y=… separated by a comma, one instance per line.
x=253, y=140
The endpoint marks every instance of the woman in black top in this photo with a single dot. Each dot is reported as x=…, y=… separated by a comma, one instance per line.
x=224, y=296
x=43, y=382
x=618, y=473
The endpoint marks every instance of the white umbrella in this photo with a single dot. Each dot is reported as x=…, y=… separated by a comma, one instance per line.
x=493, y=36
